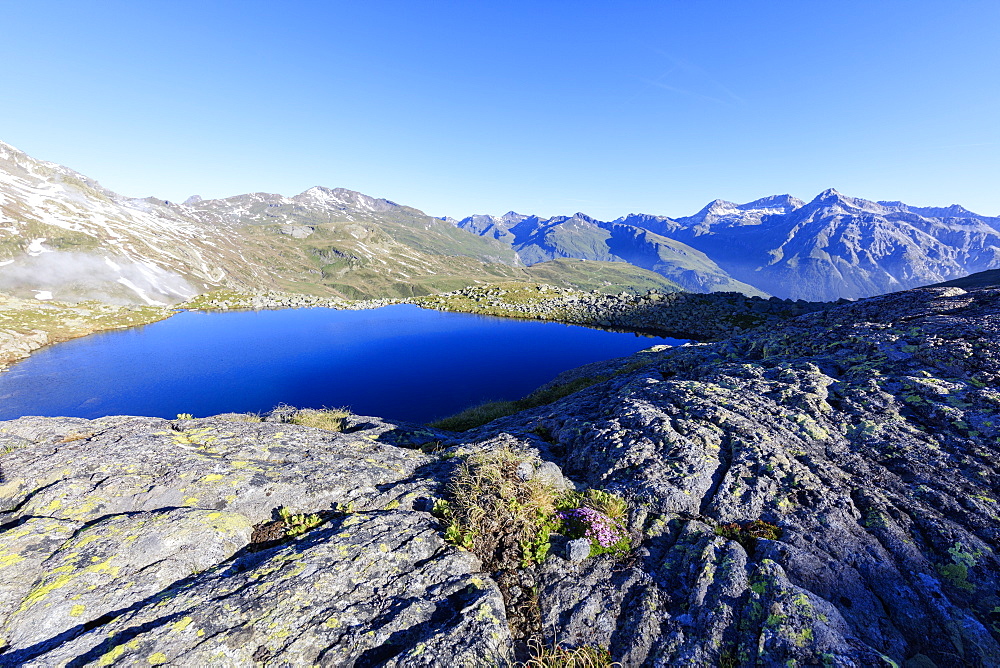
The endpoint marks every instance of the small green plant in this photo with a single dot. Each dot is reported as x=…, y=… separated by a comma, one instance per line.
x=610, y=504
x=330, y=419
x=747, y=534
x=185, y=416
x=344, y=508
x=505, y=520
x=558, y=656
x=298, y=524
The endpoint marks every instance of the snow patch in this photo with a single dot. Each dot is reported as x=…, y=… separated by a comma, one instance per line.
x=43, y=295
x=35, y=248
x=139, y=291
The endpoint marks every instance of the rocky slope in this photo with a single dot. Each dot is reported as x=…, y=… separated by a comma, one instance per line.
x=536, y=240
x=831, y=248
x=836, y=246
x=865, y=438
x=703, y=317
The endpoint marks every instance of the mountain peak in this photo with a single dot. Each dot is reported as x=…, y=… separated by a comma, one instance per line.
x=784, y=202
x=343, y=198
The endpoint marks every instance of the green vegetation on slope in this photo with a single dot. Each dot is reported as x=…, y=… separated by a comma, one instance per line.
x=476, y=416
x=28, y=324
x=607, y=277
x=356, y=260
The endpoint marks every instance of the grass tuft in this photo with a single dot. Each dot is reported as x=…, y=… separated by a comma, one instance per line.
x=330, y=419
x=747, y=534
x=477, y=416
x=558, y=656
x=610, y=504
x=504, y=520
x=481, y=414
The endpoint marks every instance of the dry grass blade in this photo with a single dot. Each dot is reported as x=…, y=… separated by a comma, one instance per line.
x=568, y=657
x=330, y=419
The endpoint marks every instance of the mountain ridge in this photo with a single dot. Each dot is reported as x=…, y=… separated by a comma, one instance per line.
x=65, y=237
x=89, y=242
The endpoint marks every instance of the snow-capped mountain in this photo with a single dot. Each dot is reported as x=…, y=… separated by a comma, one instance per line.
x=60, y=226
x=832, y=247
x=838, y=246
x=64, y=236
x=579, y=236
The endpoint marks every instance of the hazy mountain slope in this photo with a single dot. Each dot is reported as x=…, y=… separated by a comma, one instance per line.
x=580, y=236
x=602, y=276
x=836, y=246
x=59, y=228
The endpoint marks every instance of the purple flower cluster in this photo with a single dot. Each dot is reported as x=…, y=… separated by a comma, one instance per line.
x=594, y=525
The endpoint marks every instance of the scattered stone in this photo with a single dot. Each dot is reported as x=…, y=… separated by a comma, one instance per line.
x=578, y=549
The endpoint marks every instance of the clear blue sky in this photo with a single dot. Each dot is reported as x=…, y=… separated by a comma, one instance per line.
x=545, y=107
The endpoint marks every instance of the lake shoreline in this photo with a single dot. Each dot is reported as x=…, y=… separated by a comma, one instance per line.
x=701, y=317
x=402, y=361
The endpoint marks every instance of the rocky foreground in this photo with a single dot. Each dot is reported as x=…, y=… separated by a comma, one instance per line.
x=822, y=492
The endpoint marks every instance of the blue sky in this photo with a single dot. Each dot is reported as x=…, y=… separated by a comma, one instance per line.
x=542, y=107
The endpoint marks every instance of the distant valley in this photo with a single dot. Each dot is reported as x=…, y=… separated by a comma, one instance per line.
x=65, y=237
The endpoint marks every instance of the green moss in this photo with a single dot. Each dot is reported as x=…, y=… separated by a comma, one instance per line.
x=957, y=572
x=747, y=534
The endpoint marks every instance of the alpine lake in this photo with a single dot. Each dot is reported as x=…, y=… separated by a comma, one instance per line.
x=400, y=362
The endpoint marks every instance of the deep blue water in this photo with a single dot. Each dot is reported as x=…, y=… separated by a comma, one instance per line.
x=399, y=362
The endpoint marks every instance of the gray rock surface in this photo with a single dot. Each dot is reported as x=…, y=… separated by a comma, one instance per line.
x=866, y=434
x=682, y=314
x=577, y=549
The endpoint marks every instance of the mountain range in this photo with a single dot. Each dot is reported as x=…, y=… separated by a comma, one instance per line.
x=64, y=236
x=830, y=248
